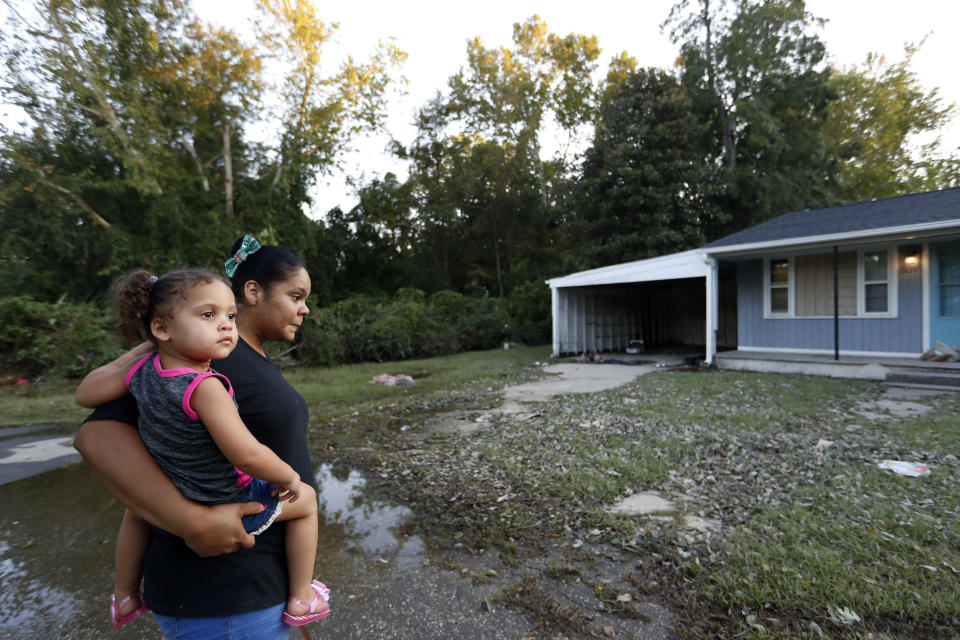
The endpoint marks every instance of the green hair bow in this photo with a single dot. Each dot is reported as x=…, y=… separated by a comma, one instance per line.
x=248, y=247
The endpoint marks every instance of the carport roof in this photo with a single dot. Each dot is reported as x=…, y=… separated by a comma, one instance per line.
x=686, y=264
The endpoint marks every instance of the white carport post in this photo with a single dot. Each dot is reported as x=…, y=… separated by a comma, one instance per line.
x=555, y=303
x=712, y=315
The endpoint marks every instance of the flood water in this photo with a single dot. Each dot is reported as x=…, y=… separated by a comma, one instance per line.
x=57, y=544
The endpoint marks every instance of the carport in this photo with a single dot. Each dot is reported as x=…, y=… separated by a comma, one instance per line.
x=671, y=300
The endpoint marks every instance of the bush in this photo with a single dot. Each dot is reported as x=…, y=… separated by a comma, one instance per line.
x=53, y=340
x=530, y=314
x=409, y=325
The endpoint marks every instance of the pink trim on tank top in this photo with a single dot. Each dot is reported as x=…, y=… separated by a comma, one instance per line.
x=133, y=370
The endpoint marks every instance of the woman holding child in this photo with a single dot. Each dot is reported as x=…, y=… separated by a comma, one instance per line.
x=210, y=580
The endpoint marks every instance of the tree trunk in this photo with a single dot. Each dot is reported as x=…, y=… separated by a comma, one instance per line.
x=496, y=256
x=188, y=145
x=227, y=170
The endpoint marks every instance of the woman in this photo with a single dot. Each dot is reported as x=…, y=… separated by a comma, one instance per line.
x=193, y=591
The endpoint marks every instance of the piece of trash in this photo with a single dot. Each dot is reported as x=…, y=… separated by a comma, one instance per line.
x=911, y=469
x=928, y=568
x=816, y=629
x=822, y=444
x=609, y=631
x=21, y=381
x=400, y=380
x=753, y=624
x=843, y=615
x=941, y=353
x=624, y=597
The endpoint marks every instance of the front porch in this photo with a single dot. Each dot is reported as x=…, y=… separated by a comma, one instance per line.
x=865, y=367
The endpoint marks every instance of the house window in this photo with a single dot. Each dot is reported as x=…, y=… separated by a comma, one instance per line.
x=779, y=287
x=876, y=276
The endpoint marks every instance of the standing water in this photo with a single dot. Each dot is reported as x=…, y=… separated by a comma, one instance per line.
x=57, y=545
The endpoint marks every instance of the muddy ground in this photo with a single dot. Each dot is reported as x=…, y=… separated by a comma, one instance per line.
x=392, y=574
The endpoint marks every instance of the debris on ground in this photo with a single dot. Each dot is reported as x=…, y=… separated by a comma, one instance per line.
x=400, y=380
x=911, y=469
x=941, y=353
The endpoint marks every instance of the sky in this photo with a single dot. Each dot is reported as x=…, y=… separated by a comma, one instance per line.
x=435, y=34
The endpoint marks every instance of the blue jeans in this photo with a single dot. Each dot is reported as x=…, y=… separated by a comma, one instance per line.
x=256, y=625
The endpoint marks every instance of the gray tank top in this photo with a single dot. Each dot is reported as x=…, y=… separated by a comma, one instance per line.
x=174, y=435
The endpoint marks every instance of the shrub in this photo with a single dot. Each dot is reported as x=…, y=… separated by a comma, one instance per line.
x=529, y=307
x=409, y=325
x=53, y=340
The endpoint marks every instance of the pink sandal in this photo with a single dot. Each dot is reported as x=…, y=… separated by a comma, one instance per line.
x=323, y=594
x=118, y=620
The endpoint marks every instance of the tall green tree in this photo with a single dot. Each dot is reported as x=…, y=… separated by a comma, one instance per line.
x=488, y=130
x=137, y=150
x=754, y=68
x=649, y=181
x=885, y=130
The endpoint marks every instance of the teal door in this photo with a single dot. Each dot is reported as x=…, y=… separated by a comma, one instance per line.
x=945, y=294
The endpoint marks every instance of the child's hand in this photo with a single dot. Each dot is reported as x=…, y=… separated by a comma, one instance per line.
x=290, y=490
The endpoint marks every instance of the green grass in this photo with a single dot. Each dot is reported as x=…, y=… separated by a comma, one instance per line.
x=41, y=403
x=338, y=391
x=884, y=546
x=738, y=401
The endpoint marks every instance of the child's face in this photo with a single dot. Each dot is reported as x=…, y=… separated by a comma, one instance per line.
x=203, y=326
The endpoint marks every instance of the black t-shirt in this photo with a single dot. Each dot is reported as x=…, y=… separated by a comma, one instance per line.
x=179, y=583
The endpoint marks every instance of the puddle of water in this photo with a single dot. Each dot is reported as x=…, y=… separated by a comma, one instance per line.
x=359, y=528
x=57, y=545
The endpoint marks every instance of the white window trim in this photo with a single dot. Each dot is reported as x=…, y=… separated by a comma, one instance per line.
x=791, y=279
x=892, y=263
x=893, y=257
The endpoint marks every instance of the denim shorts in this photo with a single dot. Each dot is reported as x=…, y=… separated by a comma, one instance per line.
x=265, y=624
x=259, y=491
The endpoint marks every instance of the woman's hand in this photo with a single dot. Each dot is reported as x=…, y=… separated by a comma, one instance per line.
x=290, y=490
x=220, y=529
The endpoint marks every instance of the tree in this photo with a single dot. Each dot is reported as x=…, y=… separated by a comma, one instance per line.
x=320, y=113
x=488, y=131
x=137, y=153
x=877, y=128
x=754, y=69
x=649, y=181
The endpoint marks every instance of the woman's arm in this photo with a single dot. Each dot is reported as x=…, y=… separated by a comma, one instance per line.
x=115, y=454
x=216, y=409
x=108, y=382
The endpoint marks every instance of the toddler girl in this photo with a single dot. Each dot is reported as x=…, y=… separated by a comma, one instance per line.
x=190, y=424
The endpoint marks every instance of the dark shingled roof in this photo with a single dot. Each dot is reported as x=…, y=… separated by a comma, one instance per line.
x=915, y=208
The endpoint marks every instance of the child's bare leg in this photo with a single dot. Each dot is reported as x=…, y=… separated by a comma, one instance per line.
x=301, y=547
x=132, y=543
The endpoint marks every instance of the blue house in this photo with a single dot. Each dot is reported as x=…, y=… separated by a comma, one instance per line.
x=867, y=281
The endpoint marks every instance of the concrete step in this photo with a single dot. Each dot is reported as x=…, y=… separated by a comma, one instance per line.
x=921, y=377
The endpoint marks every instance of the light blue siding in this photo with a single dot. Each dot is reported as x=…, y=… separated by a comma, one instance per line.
x=903, y=334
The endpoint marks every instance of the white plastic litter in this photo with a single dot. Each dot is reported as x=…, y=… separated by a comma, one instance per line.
x=911, y=469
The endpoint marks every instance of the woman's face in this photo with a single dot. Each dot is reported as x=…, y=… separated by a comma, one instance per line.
x=280, y=313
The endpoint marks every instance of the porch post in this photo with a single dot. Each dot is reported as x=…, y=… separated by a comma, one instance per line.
x=555, y=305
x=711, y=310
x=836, y=304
